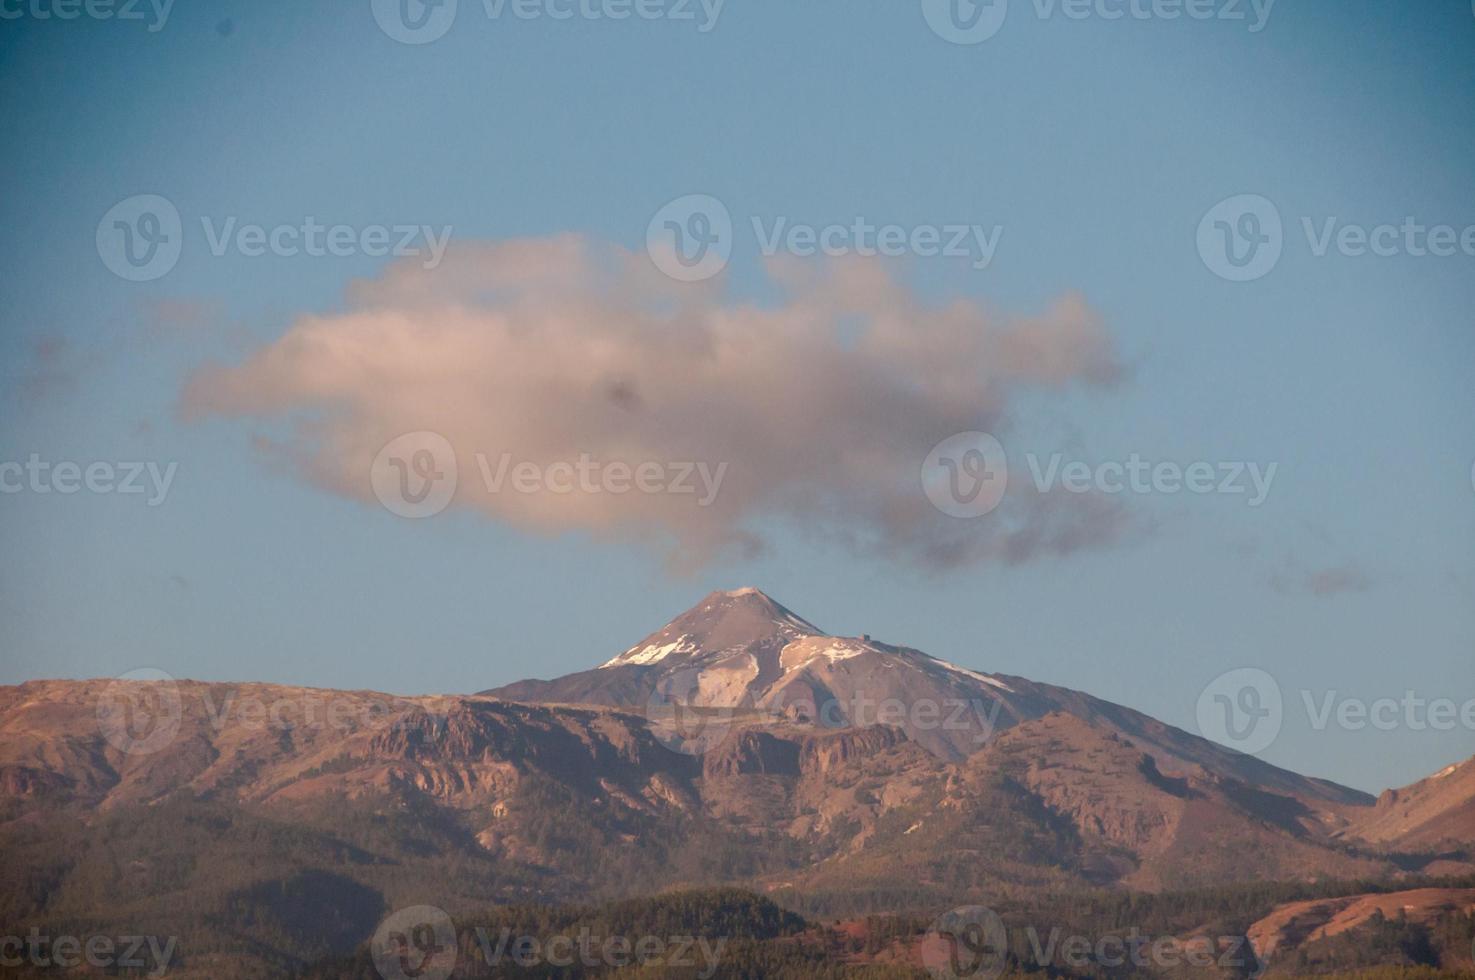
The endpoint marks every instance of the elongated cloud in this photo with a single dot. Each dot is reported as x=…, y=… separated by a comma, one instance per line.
x=1323, y=582
x=822, y=407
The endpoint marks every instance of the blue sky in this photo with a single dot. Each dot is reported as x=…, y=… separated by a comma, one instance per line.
x=1096, y=145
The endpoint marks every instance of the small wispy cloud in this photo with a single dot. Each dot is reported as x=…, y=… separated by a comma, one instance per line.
x=176, y=316
x=52, y=366
x=1322, y=583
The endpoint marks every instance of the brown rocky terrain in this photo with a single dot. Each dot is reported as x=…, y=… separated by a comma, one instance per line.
x=744, y=650
x=1434, y=812
x=1298, y=924
x=216, y=808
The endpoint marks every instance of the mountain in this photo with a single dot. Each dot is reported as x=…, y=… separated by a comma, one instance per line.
x=739, y=745
x=1307, y=936
x=1435, y=811
x=743, y=650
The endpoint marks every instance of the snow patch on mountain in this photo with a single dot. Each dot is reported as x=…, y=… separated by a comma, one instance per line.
x=803, y=652
x=725, y=684
x=653, y=653
x=974, y=674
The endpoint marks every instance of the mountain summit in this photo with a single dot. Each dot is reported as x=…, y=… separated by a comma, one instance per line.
x=743, y=619
x=745, y=650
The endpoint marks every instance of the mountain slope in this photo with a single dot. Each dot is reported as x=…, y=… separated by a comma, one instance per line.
x=742, y=649
x=841, y=771
x=1296, y=925
x=798, y=801
x=263, y=800
x=1431, y=812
